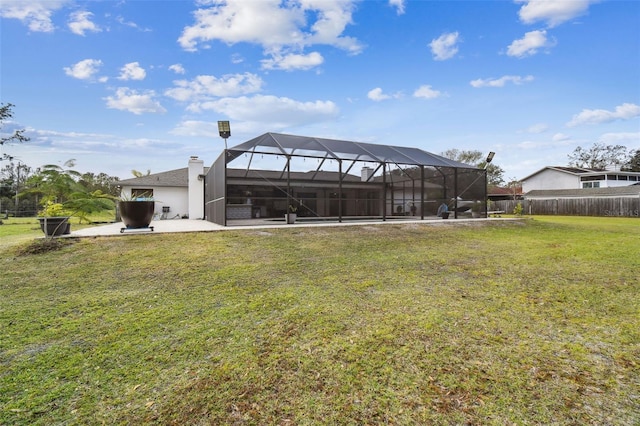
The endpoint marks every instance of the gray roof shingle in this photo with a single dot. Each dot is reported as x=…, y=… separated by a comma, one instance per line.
x=177, y=177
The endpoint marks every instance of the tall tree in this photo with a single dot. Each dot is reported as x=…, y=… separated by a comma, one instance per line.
x=55, y=183
x=101, y=181
x=13, y=177
x=495, y=173
x=634, y=162
x=599, y=156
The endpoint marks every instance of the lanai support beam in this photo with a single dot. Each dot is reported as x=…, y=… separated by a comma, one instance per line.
x=384, y=192
x=339, y=190
x=421, y=192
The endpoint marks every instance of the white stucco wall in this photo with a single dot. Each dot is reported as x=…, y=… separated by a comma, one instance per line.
x=551, y=179
x=174, y=197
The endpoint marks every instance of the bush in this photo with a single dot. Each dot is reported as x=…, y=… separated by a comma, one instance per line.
x=518, y=209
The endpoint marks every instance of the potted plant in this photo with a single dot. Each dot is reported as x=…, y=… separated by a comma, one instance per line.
x=136, y=211
x=291, y=215
x=55, y=217
x=63, y=196
x=54, y=220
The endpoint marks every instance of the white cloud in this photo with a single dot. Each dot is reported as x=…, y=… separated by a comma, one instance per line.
x=399, y=5
x=272, y=24
x=553, y=12
x=132, y=71
x=445, y=47
x=537, y=128
x=204, y=87
x=378, y=95
x=530, y=44
x=629, y=139
x=131, y=24
x=625, y=111
x=500, y=82
x=80, y=22
x=84, y=70
x=293, y=62
x=35, y=14
x=556, y=141
x=426, y=92
x=560, y=137
x=195, y=128
x=273, y=111
x=126, y=99
x=177, y=68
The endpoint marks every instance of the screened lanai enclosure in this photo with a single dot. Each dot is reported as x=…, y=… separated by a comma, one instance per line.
x=336, y=180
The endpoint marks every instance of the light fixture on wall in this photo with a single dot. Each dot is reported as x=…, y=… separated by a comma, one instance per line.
x=224, y=128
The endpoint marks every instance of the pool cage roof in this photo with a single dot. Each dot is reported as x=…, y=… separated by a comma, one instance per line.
x=340, y=150
x=378, y=187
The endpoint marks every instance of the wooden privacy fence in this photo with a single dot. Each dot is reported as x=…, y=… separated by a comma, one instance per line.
x=609, y=206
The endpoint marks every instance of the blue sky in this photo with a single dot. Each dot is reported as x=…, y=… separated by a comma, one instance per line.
x=122, y=85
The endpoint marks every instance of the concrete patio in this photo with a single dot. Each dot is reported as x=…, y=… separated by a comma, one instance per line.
x=187, y=225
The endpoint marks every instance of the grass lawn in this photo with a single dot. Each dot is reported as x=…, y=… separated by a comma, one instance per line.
x=531, y=322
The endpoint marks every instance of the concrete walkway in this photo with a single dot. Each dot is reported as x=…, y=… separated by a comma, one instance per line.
x=159, y=226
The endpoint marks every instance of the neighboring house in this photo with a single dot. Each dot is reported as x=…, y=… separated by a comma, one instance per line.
x=178, y=193
x=556, y=177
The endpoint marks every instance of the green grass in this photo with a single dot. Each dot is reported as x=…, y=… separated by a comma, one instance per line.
x=532, y=322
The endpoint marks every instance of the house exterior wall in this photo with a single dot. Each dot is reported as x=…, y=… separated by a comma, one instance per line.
x=551, y=179
x=176, y=198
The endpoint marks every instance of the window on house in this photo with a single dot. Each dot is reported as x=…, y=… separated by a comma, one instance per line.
x=592, y=178
x=141, y=193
